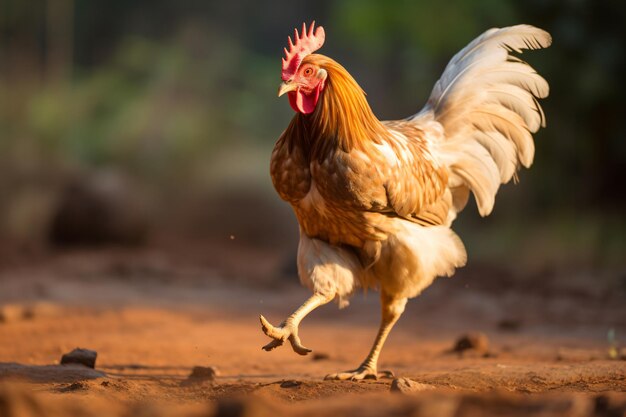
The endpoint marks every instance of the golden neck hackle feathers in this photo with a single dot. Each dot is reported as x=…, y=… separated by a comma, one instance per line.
x=342, y=118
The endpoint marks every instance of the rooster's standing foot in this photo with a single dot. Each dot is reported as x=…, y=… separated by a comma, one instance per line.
x=359, y=374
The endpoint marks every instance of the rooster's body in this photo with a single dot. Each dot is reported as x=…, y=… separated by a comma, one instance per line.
x=375, y=200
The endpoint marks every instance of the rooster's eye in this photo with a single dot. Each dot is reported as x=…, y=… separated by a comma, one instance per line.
x=308, y=72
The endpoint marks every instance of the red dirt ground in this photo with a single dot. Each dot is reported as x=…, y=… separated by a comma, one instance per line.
x=152, y=316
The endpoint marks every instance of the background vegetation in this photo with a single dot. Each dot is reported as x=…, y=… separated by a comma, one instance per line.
x=172, y=105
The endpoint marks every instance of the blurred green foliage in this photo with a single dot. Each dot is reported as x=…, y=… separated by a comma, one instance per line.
x=181, y=95
x=154, y=109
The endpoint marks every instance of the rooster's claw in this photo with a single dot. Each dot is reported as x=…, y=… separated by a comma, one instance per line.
x=286, y=331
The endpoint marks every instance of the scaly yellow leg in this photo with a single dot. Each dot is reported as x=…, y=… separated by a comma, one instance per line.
x=392, y=309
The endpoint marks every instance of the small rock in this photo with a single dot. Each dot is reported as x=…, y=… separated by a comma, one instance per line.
x=84, y=357
x=290, y=383
x=477, y=341
x=75, y=386
x=204, y=372
x=201, y=374
x=406, y=386
x=320, y=356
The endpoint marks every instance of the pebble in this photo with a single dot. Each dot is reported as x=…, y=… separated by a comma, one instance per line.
x=290, y=383
x=201, y=374
x=406, y=386
x=320, y=356
x=476, y=341
x=81, y=356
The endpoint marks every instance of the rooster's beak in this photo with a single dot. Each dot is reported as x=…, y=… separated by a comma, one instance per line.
x=286, y=86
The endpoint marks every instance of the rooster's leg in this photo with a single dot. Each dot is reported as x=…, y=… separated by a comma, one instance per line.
x=288, y=329
x=392, y=309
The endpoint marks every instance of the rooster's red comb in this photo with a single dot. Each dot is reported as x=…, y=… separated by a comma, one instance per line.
x=306, y=43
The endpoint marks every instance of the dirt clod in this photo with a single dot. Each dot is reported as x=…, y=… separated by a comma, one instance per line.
x=407, y=386
x=320, y=356
x=204, y=372
x=200, y=375
x=80, y=356
x=75, y=386
x=475, y=341
x=290, y=384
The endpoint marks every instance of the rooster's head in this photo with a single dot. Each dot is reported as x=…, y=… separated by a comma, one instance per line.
x=303, y=78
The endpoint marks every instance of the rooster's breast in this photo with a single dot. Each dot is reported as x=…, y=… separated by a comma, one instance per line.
x=337, y=206
x=334, y=198
x=335, y=221
x=289, y=169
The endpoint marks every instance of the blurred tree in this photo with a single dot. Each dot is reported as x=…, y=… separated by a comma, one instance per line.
x=59, y=40
x=585, y=67
x=166, y=90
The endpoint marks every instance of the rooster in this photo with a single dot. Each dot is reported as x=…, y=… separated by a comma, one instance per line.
x=375, y=200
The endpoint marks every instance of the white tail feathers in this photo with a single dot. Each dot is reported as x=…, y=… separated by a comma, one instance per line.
x=486, y=101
